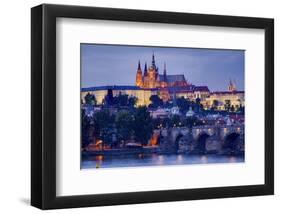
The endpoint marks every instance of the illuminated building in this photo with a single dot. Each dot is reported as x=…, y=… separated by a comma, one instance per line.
x=101, y=92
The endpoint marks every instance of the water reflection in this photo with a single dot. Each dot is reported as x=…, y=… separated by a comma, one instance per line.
x=204, y=159
x=155, y=160
x=179, y=159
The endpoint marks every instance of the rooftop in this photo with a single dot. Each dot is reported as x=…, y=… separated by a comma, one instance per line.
x=201, y=88
x=178, y=89
x=172, y=78
x=227, y=92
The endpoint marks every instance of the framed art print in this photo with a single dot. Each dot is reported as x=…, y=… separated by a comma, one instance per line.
x=133, y=106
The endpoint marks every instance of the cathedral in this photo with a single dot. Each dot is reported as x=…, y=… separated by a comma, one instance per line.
x=151, y=78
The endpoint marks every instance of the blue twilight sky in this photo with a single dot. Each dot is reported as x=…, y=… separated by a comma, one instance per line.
x=117, y=64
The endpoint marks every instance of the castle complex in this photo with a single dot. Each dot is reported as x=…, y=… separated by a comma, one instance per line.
x=150, y=82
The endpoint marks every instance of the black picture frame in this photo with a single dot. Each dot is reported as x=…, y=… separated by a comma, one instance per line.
x=43, y=106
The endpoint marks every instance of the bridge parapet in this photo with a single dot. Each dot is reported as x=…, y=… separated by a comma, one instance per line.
x=198, y=130
x=226, y=130
x=217, y=131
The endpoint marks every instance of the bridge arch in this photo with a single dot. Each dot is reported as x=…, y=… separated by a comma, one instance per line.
x=177, y=141
x=200, y=143
x=231, y=142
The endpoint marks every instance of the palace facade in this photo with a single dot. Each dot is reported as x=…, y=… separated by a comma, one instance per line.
x=150, y=82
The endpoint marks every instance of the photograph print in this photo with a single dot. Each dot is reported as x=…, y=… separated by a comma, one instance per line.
x=145, y=106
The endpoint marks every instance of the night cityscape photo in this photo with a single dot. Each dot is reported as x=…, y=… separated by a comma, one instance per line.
x=156, y=106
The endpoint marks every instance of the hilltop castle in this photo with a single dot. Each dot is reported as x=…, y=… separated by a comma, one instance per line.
x=150, y=82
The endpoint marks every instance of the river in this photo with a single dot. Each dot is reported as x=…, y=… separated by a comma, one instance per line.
x=155, y=160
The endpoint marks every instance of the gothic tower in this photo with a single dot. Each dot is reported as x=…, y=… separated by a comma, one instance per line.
x=231, y=86
x=153, y=61
x=164, y=82
x=139, y=80
x=164, y=92
x=145, y=70
x=165, y=73
x=150, y=75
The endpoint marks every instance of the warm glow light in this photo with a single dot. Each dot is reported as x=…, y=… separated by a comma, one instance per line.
x=99, y=158
x=204, y=159
x=98, y=142
x=179, y=159
x=154, y=139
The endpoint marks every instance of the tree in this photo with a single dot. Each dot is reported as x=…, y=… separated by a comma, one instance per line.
x=156, y=101
x=197, y=101
x=124, y=122
x=215, y=104
x=227, y=105
x=198, y=105
x=241, y=108
x=90, y=99
x=86, y=128
x=103, y=125
x=142, y=125
x=183, y=104
x=121, y=100
x=108, y=99
x=132, y=101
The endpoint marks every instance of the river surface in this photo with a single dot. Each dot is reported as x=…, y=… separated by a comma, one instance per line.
x=155, y=160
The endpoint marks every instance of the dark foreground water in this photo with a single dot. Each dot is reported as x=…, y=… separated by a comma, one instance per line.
x=155, y=160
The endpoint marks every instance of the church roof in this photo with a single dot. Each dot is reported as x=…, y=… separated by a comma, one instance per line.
x=172, y=78
x=201, y=88
x=181, y=89
x=189, y=88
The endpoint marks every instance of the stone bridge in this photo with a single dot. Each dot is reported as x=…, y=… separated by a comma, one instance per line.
x=203, y=139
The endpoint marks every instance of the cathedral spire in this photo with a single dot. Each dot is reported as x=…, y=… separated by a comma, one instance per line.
x=153, y=60
x=231, y=86
x=139, y=66
x=165, y=73
x=145, y=69
x=139, y=80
